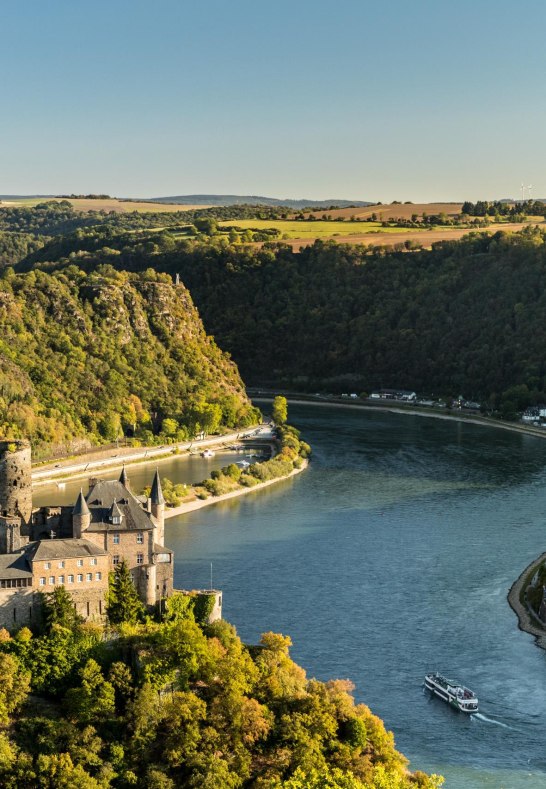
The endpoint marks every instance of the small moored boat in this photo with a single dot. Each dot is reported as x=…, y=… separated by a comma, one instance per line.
x=207, y=453
x=452, y=693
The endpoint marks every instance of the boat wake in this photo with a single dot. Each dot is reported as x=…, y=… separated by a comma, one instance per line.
x=480, y=717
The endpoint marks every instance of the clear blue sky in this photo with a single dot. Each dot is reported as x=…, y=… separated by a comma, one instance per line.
x=424, y=100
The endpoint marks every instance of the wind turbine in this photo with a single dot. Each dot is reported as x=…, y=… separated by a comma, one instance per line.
x=522, y=193
x=529, y=189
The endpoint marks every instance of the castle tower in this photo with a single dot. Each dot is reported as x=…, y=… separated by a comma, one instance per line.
x=81, y=516
x=157, y=510
x=15, y=495
x=15, y=480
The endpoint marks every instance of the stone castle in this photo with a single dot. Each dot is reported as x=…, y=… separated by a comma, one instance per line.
x=77, y=546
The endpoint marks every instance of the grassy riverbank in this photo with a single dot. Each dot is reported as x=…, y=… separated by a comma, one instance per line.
x=289, y=456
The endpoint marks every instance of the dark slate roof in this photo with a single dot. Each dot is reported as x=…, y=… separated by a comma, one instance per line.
x=14, y=565
x=100, y=500
x=62, y=549
x=80, y=507
x=156, y=494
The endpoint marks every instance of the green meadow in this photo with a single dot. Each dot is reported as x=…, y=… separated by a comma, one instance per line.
x=313, y=229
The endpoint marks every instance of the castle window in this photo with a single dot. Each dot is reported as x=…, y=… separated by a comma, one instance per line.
x=47, y=566
x=140, y=538
x=140, y=558
x=79, y=578
x=89, y=577
x=116, y=520
x=98, y=576
x=61, y=565
x=115, y=559
x=42, y=581
x=93, y=562
x=52, y=580
x=61, y=579
x=100, y=607
x=70, y=579
x=115, y=539
x=80, y=562
x=87, y=609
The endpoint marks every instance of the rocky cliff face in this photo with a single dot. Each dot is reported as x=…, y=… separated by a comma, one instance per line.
x=90, y=356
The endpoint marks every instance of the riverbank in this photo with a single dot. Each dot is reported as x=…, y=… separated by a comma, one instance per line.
x=102, y=459
x=469, y=419
x=191, y=506
x=526, y=621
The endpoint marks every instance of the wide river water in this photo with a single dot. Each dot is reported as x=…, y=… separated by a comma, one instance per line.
x=391, y=556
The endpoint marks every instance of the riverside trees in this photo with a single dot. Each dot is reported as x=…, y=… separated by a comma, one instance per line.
x=280, y=410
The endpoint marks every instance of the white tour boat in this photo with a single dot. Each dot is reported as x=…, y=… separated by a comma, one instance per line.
x=207, y=453
x=455, y=695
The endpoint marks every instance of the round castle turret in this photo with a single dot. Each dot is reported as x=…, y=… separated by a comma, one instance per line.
x=15, y=480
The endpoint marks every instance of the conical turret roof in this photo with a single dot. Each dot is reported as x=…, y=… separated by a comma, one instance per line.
x=80, y=507
x=123, y=478
x=156, y=495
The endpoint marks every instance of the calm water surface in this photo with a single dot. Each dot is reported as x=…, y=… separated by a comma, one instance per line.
x=390, y=557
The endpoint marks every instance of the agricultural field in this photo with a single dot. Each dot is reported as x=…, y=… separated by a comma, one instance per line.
x=388, y=237
x=312, y=229
x=392, y=210
x=110, y=204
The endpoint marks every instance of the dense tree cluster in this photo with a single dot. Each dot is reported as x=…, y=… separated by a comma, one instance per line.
x=164, y=704
x=503, y=208
x=15, y=247
x=106, y=354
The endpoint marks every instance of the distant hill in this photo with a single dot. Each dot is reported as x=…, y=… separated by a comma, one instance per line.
x=223, y=200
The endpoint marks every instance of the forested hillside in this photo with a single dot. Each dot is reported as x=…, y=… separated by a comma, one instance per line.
x=99, y=355
x=466, y=318
x=55, y=218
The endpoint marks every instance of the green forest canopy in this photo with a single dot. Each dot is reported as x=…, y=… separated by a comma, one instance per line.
x=173, y=703
x=465, y=317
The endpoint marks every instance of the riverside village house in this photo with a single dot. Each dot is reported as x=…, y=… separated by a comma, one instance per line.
x=78, y=546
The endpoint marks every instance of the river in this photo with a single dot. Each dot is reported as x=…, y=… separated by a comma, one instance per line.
x=389, y=557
